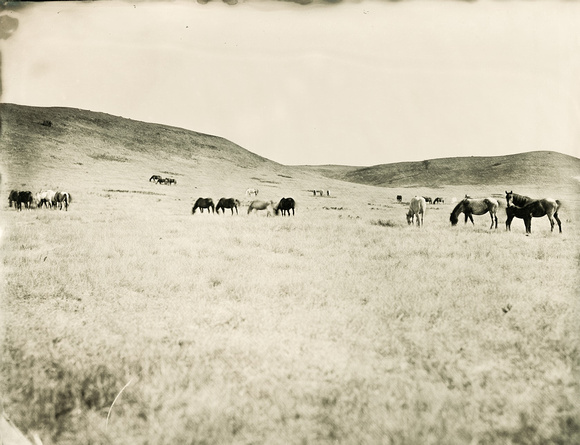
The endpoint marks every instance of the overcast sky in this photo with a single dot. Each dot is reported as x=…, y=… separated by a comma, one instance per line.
x=356, y=83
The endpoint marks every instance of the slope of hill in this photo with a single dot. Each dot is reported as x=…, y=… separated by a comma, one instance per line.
x=541, y=167
x=56, y=147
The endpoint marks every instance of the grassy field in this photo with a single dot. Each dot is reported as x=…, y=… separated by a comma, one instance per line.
x=339, y=325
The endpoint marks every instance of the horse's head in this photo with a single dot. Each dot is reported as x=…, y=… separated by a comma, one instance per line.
x=509, y=198
x=409, y=217
x=453, y=218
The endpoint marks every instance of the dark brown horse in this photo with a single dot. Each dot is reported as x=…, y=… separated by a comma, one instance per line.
x=285, y=205
x=527, y=208
x=25, y=198
x=471, y=207
x=227, y=203
x=13, y=198
x=203, y=203
x=62, y=199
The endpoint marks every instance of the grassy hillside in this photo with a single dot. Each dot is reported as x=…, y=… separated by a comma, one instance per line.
x=542, y=167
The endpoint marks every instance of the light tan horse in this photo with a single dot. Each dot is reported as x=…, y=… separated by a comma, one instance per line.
x=262, y=205
x=417, y=208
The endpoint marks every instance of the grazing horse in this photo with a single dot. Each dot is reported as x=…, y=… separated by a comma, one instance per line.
x=155, y=178
x=532, y=208
x=261, y=205
x=13, y=198
x=417, y=208
x=171, y=181
x=227, y=203
x=24, y=198
x=45, y=198
x=399, y=198
x=203, y=203
x=285, y=205
x=62, y=199
x=438, y=200
x=252, y=192
x=475, y=207
x=428, y=199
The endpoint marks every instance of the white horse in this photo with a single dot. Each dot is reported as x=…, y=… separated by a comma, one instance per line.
x=262, y=205
x=417, y=208
x=252, y=192
x=45, y=198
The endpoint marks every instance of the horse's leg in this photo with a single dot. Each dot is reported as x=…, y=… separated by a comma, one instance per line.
x=558, y=220
x=471, y=218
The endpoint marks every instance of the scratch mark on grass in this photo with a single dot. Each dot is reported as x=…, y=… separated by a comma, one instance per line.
x=111, y=407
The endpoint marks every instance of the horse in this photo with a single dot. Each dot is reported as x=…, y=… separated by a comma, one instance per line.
x=438, y=200
x=227, y=203
x=252, y=192
x=399, y=198
x=62, y=199
x=417, y=207
x=203, y=203
x=475, y=207
x=261, y=205
x=13, y=198
x=45, y=198
x=285, y=205
x=428, y=199
x=532, y=208
x=24, y=198
x=170, y=181
x=155, y=178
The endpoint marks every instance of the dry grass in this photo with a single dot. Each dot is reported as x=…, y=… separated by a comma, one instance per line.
x=341, y=324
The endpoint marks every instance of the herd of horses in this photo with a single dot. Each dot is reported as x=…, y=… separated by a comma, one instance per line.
x=46, y=198
x=427, y=199
x=284, y=206
x=518, y=206
x=160, y=180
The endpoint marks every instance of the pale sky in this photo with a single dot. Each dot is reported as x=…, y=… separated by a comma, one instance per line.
x=354, y=83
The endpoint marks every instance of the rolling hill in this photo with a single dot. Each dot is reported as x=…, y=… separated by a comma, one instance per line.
x=540, y=167
x=37, y=141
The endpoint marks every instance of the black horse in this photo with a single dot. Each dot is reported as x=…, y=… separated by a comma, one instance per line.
x=25, y=198
x=285, y=205
x=13, y=198
x=203, y=203
x=527, y=208
x=227, y=203
x=155, y=178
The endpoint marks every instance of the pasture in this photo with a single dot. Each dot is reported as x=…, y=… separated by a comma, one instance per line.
x=341, y=324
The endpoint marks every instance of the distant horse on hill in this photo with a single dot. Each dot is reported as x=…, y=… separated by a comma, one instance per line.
x=203, y=203
x=45, y=198
x=528, y=208
x=155, y=178
x=24, y=198
x=62, y=199
x=261, y=205
x=252, y=192
x=170, y=181
x=285, y=205
x=475, y=207
x=13, y=198
x=417, y=208
x=428, y=200
x=227, y=203
x=438, y=200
